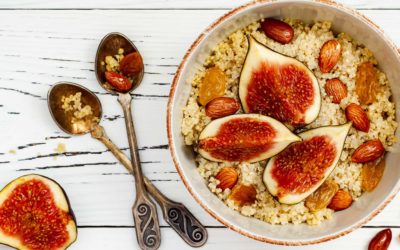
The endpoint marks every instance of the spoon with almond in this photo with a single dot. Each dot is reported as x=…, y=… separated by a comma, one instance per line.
x=77, y=111
x=114, y=80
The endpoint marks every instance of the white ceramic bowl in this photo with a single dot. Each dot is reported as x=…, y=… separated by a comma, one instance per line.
x=344, y=20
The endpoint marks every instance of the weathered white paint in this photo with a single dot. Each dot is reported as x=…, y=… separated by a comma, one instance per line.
x=169, y=4
x=41, y=47
x=111, y=238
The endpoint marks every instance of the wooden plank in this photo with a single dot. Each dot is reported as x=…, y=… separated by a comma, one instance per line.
x=219, y=238
x=65, y=50
x=41, y=47
x=169, y=4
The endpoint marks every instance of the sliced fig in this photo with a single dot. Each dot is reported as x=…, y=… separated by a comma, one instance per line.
x=244, y=138
x=302, y=167
x=35, y=215
x=278, y=86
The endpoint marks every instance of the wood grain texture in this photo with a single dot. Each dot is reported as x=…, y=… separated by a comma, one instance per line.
x=41, y=47
x=123, y=238
x=169, y=4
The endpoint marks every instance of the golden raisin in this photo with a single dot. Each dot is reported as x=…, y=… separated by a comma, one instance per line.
x=367, y=83
x=322, y=196
x=243, y=194
x=213, y=85
x=371, y=174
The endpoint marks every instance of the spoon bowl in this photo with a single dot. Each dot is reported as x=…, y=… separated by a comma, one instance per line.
x=175, y=214
x=109, y=46
x=65, y=120
x=144, y=211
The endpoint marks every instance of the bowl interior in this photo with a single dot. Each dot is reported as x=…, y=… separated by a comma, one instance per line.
x=343, y=20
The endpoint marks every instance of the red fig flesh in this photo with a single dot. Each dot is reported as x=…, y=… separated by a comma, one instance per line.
x=35, y=215
x=244, y=138
x=278, y=86
x=302, y=167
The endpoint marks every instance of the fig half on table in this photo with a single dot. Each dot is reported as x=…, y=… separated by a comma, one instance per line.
x=302, y=167
x=35, y=215
x=244, y=138
x=279, y=86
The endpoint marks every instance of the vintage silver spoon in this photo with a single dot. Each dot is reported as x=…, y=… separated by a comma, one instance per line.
x=175, y=214
x=144, y=211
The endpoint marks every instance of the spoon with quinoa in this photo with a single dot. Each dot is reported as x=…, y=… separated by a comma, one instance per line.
x=77, y=111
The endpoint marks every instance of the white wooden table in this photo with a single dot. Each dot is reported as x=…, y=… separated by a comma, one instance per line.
x=45, y=41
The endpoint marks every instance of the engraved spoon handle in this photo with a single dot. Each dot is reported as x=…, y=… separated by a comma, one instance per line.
x=175, y=214
x=144, y=210
x=182, y=221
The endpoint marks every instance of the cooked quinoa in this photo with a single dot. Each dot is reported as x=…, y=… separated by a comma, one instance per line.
x=73, y=104
x=229, y=56
x=112, y=62
x=60, y=148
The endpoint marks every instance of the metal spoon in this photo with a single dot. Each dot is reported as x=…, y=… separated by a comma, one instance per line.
x=144, y=211
x=175, y=214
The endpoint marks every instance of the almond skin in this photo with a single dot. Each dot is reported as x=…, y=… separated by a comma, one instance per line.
x=336, y=89
x=277, y=30
x=368, y=151
x=222, y=106
x=329, y=55
x=341, y=200
x=227, y=177
x=358, y=116
x=381, y=241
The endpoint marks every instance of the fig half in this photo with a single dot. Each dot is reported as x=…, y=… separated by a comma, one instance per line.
x=35, y=215
x=278, y=86
x=302, y=167
x=244, y=138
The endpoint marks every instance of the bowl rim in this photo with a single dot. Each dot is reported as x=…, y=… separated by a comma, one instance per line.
x=178, y=167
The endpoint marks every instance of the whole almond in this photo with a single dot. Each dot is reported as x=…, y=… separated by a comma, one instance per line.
x=336, y=89
x=381, y=241
x=368, y=151
x=341, y=200
x=329, y=55
x=358, y=116
x=222, y=106
x=227, y=178
x=277, y=30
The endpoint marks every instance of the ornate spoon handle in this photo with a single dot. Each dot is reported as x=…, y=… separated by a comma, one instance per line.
x=180, y=219
x=146, y=223
x=175, y=214
x=144, y=211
